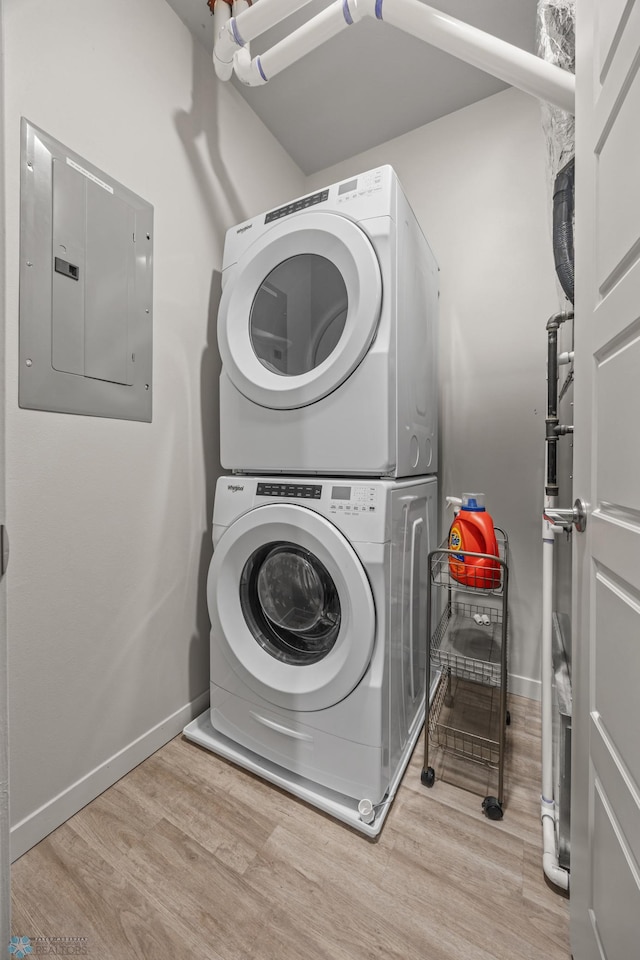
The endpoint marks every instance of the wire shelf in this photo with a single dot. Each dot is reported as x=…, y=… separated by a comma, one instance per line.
x=455, y=700
x=471, y=650
x=460, y=571
x=468, y=716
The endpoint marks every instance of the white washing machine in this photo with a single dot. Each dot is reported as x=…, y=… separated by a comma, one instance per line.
x=317, y=597
x=327, y=333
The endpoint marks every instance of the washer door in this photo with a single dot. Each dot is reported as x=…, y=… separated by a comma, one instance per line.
x=300, y=311
x=291, y=607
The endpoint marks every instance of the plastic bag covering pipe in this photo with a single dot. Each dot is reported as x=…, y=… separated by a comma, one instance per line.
x=497, y=57
x=563, y=228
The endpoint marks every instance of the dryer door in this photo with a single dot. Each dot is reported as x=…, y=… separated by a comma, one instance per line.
x=291, y=607
x=299, y=310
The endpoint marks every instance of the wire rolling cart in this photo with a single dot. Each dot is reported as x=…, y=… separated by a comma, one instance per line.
x=468, y=645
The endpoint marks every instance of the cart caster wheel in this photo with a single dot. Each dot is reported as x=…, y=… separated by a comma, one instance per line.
x=492, y=808
x=427, y=777
x=508, y=719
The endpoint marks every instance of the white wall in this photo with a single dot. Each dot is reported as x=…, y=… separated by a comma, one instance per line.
x=109, y=519
x=476, y=180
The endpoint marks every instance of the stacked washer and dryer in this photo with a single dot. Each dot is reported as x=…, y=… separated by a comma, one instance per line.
x=317, y=587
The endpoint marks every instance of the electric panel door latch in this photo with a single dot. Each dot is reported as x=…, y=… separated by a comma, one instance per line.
x=67, y=269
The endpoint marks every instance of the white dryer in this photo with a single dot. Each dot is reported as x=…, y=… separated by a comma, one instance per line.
x=327, y=333
x=317, y=597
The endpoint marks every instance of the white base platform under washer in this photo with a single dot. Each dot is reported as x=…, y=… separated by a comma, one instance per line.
x=317, y=597
x=327, y=330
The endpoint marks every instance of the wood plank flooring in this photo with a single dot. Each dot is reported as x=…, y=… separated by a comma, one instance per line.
x=189, y=856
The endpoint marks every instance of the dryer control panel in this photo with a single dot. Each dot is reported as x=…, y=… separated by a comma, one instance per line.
x=362, y=186
x=302, y=204
x=295, y=491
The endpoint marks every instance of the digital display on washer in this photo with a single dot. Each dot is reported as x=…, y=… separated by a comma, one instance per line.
x=341, y=493
x=347, y=187
x=302, y=491
x=296, y=206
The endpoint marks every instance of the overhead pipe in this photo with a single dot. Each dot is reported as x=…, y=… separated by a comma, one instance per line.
x=235, y=32
x=221, y=10
x=503, y=60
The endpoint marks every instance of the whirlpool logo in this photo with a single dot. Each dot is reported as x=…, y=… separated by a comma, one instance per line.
x=244, y=229
x=235, y=487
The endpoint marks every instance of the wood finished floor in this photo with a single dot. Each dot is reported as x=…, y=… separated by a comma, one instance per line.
x=189, y=856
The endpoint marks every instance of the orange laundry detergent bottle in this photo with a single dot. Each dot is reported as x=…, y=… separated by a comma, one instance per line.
x=472, y=531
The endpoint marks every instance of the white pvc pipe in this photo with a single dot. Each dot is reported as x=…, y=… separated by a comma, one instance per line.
x=550, y=865
x=497, y=57
x=221, y=15
x=552, y=870
x=249, y=24
x=546, y=652
x=298, y=44
x=264, y=15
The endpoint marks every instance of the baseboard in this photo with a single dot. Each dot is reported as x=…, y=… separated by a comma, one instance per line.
x=56, y=811
x=524, y=687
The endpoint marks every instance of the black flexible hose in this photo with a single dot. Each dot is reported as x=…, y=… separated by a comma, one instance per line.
x=563, y=227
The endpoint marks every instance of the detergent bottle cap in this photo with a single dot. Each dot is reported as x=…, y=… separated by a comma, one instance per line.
x=473, y=502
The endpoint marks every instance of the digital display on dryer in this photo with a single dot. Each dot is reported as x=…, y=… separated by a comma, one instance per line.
x=347, y=187
x=341, y=493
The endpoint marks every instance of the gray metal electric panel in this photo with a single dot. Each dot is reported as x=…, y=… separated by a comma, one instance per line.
x=86, y=286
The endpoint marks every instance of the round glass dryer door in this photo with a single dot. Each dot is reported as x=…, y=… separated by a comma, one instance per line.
x=286, y=591
x=298, y=315
x=299, y=310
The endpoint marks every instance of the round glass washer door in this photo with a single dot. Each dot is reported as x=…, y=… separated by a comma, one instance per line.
x=291, y=607
x=299, y=310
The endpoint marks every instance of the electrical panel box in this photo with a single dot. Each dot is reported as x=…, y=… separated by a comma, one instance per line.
x=86, y=287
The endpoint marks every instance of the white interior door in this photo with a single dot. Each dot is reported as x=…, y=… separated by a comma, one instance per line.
x=5, y=860
x=605, y=842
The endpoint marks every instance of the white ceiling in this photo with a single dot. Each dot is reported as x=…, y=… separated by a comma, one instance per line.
x=370, y=83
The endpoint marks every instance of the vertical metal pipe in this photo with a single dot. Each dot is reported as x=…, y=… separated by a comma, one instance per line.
x=551, y=421
x=552, y=408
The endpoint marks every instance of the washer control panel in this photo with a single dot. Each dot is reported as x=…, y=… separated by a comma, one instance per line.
x=352, y=499
x=346, y=499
